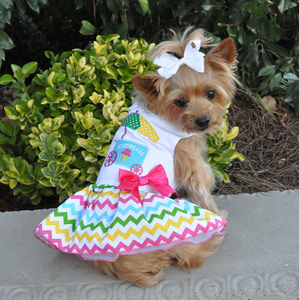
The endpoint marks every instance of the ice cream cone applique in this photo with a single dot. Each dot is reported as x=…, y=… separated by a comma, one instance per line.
x=136, y=122
x=147, y=130
x=127, y=152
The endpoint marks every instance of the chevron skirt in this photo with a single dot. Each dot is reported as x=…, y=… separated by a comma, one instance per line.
x=106, y=224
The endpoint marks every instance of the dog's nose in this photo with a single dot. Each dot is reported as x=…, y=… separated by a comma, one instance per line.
x=203, y=122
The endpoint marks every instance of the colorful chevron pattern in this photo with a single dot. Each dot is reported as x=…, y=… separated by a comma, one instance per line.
x=95, y=225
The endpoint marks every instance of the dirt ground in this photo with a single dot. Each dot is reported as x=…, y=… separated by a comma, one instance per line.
x=271, y=150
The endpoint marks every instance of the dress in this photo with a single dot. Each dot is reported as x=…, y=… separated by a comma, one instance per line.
x=128, y=210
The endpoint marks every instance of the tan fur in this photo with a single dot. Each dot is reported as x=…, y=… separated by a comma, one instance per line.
x=192, y=172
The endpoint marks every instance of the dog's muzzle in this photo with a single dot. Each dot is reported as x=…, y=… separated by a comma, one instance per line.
x=203, y=122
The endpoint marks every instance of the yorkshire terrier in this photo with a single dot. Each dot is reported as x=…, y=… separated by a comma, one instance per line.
x=194, y=97
x=127, y=223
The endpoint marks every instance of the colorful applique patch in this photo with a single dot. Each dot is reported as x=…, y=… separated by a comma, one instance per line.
x=136, y=121
x=128, y=154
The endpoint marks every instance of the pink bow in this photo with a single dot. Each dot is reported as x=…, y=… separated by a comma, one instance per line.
x=156, y=178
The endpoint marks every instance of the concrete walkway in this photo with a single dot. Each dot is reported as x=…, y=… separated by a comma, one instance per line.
x=259, y=259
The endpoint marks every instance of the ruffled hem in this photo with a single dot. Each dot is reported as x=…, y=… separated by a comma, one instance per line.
x=108, y=223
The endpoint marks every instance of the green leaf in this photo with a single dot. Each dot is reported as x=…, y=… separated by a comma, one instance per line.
x=16, y=68
x=268, y=71
x=61, y=77
x=24, y=189
x=79, y=4
x=225, y=177
x=6, y=128
x=13, y=183
x=211, y=5
x=275, y=82
x=252, y=58
x=276, y=49
x=65, y=55
x=237, y=156
x=53, y=169
x=2, y=55
x=89, y=157
x=17, y=71
x=266, y=56
x=2, y=152
x=33, y=4
x=46, y=192
x=6, y=79
x=35, y=200
x=46, y=182
x=296, y=47
x=12, y=174
x=275, y=30
x=71, y=175
x=144, y=6
x=50, y=54
x=292, y=95
x=45, y=156
x=87, y=28
x=261, y=9
x=113, y=6
x=260, y=25
x=26, y=179
x=3, y=139
x=34, y=194
x=110, y=38
x=241, y=35
x=285, y=5
x=66, y=159
x=232, y=134
x=122, y=30
x=5, y=179
x=126, y=78
x=21, y=5
x=11, y=113
x=6, y=42
x=86, y=144
x=290, y=77
x=29, y=68
x=8, y=4
x=112, y=71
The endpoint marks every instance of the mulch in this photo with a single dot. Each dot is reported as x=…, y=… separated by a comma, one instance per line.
x=270, y=147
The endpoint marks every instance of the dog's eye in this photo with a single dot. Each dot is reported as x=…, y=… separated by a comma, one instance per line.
x=180, y=103
x=211, y=94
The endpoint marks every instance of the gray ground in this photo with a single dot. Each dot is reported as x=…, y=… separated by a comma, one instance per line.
x=259, y=259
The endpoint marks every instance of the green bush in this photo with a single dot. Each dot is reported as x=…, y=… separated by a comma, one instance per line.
x=63, y=124
x=7, y=8
x=31, y=27
x=221, y=151
x=265, y=32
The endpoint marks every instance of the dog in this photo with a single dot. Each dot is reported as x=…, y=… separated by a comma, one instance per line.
x=126, y=223
x=196, y=102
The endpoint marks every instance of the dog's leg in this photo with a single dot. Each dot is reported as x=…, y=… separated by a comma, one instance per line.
x=193, y=173
x=186, y=256
x=141, y=269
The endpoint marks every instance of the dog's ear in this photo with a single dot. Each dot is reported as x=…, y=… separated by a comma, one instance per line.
x=226, y=50
x=145, y=85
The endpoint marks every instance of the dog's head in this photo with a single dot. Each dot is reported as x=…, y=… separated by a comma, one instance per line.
x=193, y=100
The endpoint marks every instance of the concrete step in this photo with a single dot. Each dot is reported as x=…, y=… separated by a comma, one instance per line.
x=258, y=259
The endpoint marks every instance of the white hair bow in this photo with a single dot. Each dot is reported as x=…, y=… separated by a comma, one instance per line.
x=192, y=58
